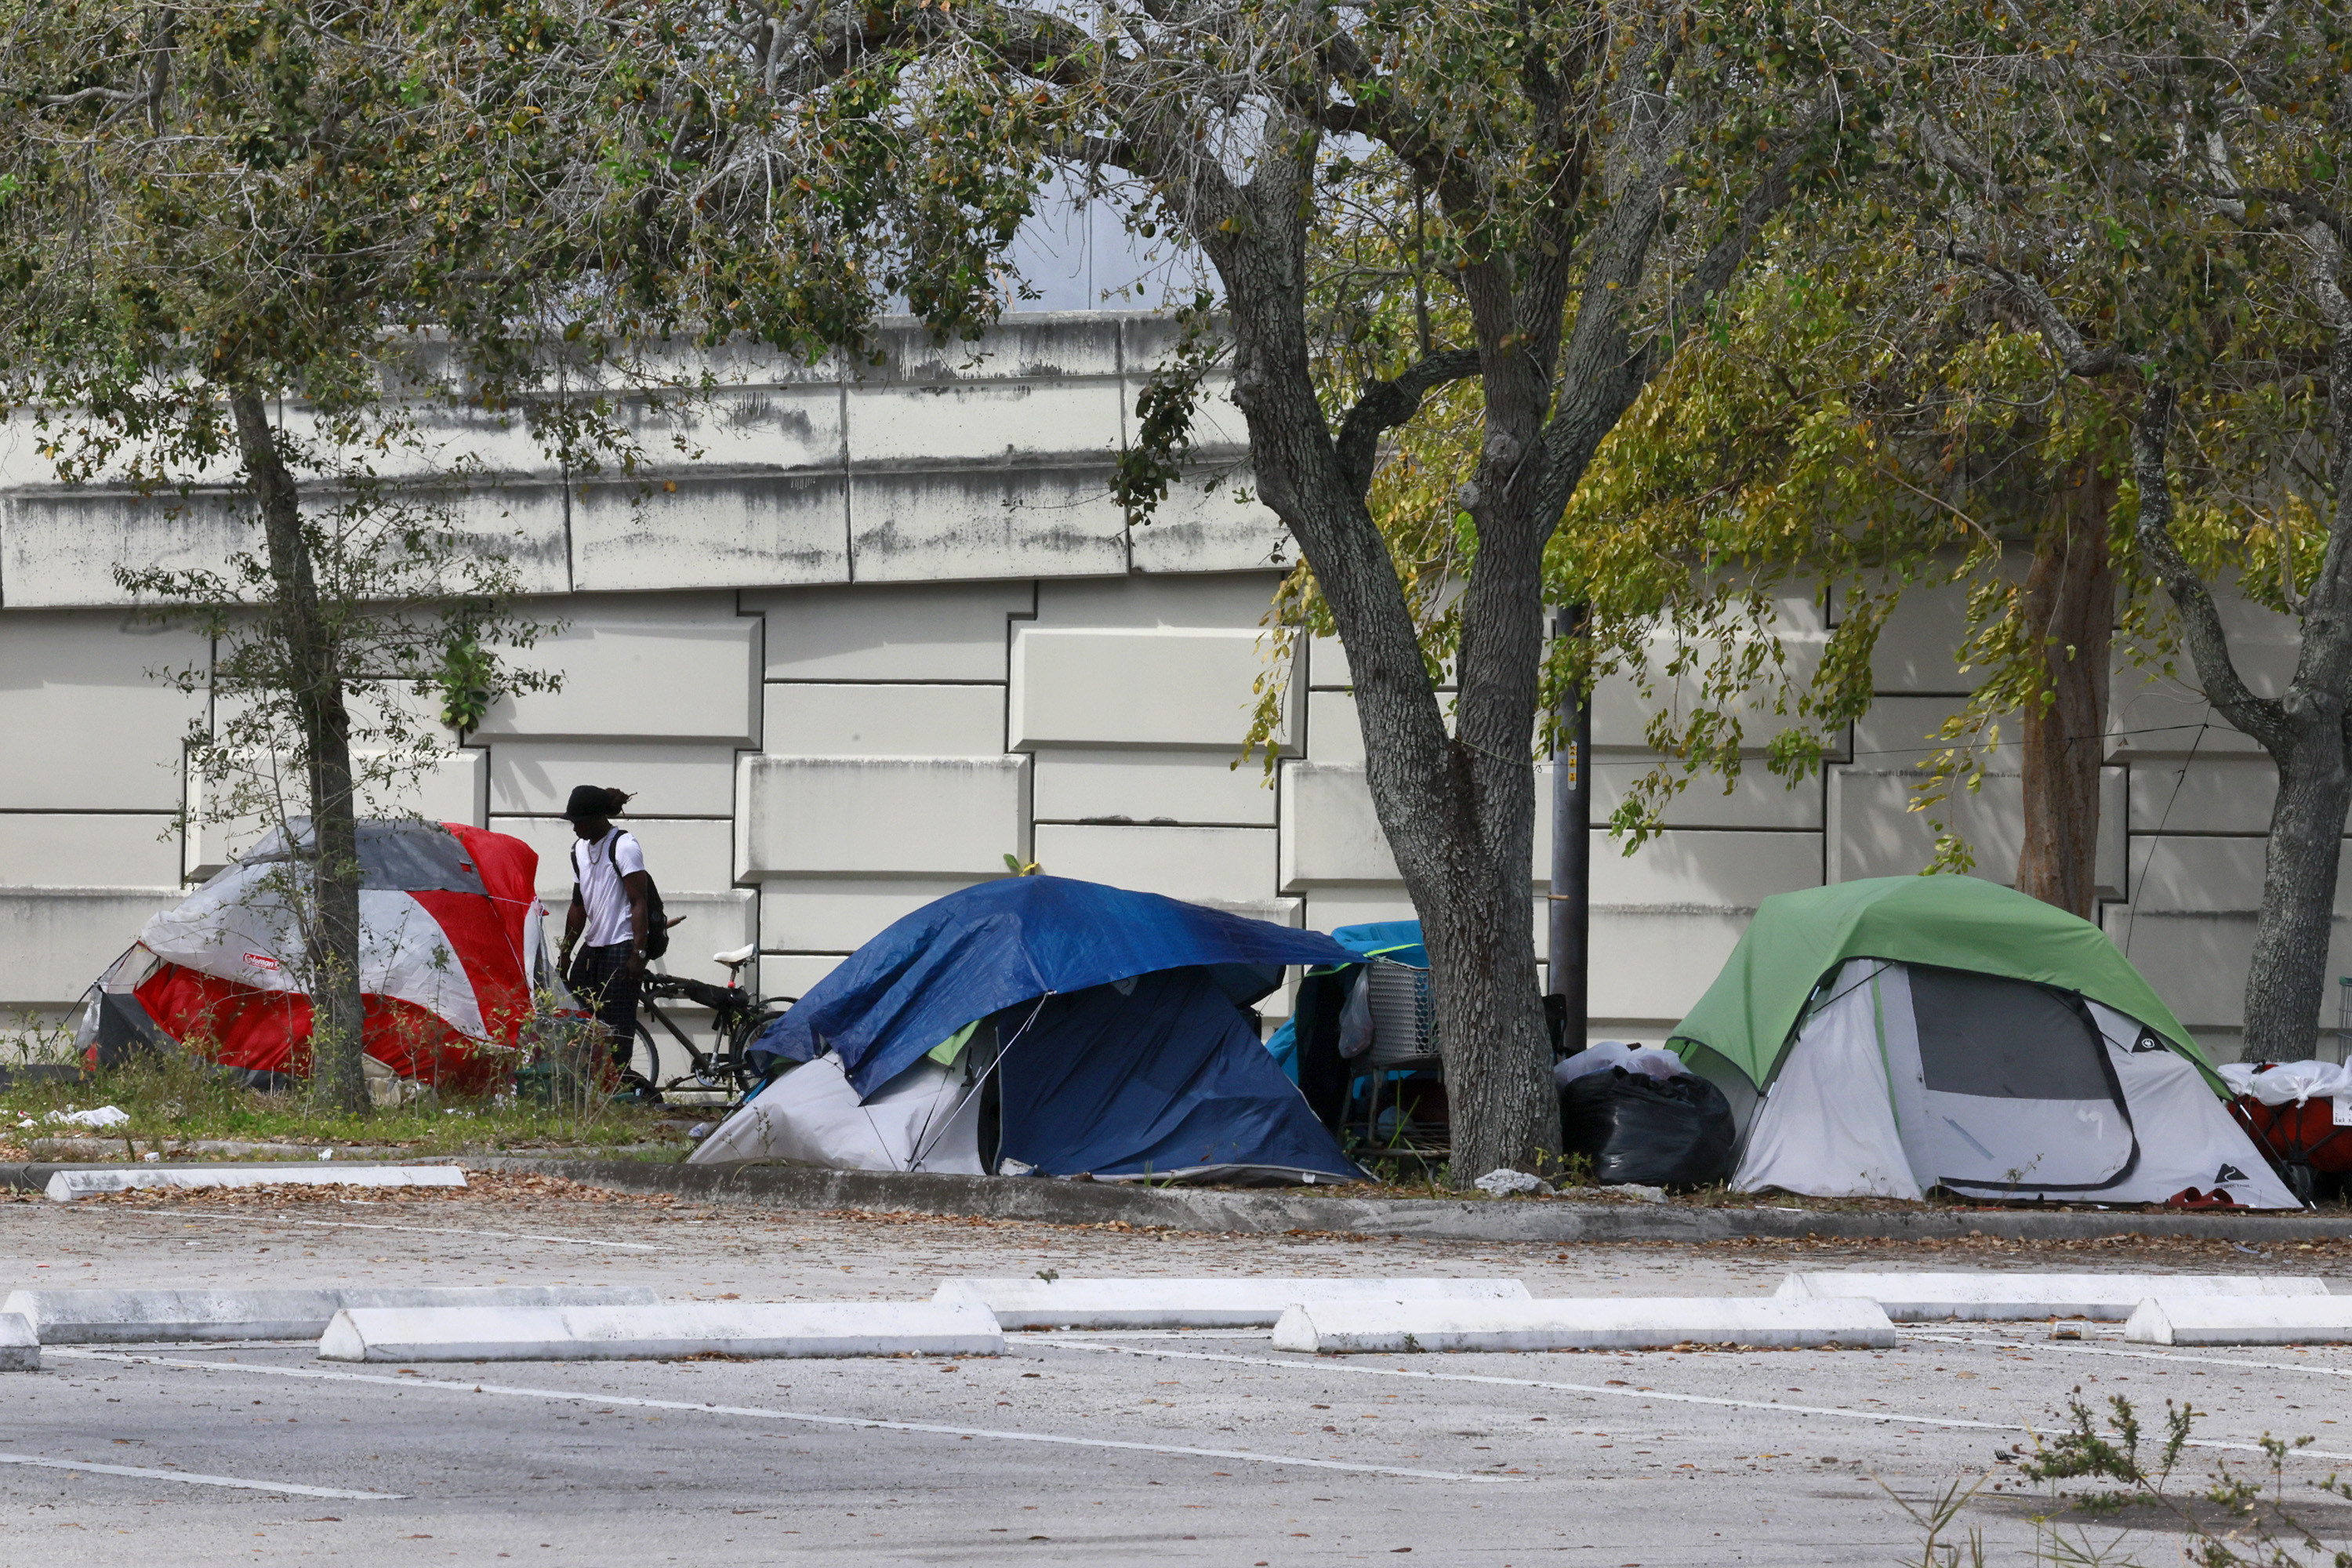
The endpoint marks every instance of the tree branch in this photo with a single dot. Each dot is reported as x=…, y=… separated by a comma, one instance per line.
x=2201, y=622
x=1386, y=405
x=2077, y=358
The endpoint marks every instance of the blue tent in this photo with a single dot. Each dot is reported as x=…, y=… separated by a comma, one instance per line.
x=1122, y=1044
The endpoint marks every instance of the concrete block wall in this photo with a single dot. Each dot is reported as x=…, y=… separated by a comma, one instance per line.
x=885, y=630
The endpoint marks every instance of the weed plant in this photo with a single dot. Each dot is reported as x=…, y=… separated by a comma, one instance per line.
x=2237, y=1517
x=173, y=1099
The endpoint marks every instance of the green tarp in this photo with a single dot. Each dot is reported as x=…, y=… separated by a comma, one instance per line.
x=1750, y=1013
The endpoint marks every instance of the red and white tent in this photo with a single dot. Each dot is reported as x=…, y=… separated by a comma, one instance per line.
x=453, y=958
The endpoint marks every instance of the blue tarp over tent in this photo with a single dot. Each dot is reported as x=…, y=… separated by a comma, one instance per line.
x=1127, y=1048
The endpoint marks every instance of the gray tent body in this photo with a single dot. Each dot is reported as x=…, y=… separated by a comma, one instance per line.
x=1905, y=1077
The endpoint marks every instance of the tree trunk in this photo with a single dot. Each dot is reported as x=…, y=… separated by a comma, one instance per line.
x=315, y=688
x=1458, y=811
x=2070, y=605
x=2286, y=979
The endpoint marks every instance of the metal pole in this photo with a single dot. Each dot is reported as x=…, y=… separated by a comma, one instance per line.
x=1570, y=902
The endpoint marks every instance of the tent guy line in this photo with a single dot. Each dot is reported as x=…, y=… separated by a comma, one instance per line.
x=755, y=1412
x=1835, y=1412
x=197, y=1480
x=419, y=1229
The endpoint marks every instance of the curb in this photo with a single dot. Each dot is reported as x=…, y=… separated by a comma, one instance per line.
x=33, y=1176
x=1049, y=1202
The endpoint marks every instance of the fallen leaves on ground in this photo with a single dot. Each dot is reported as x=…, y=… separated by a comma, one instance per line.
x=481, y=1187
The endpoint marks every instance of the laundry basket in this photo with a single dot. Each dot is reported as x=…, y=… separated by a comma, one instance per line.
x=1404, y=1007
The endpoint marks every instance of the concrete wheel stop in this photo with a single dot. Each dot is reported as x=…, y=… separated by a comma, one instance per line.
x=1356, y=1328
x=67, y=1317
x=1991, y=1296
x=1149, y=1303
x=666, y=1330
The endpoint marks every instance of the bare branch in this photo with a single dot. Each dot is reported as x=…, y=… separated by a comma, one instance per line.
x=1388, y=404
x=2066, y=343
x=2200, y=621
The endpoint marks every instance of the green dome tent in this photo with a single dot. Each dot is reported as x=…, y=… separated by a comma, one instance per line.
x=1883, y=1036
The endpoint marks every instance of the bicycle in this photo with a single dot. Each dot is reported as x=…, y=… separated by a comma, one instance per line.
x=737, y=1016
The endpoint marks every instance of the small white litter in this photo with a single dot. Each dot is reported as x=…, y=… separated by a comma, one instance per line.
x=1502, y=1183
x=103, y=1116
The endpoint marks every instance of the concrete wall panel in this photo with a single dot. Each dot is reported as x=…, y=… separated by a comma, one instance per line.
x=704, y=528
x=1224, y=601
x=1622, y=709
x=535, y=778
x=685, y=857
x=884, y=720
x=1334, y=732
x=819, y=914
x=1331, y=905
x=1078, y=784
x=1701, y=872
x=1199, y=528
x=1232, y=864
x=1873, y=834
x=1331, y=833
x=55, y=941
x=2157, y=716
x=714, y=922
x=945, y=524
x=629, y=671
x=59, y=546
x=72, y=850
x=1915, y=647
x=1041, y=345
x=887, y=632
x=90, y=727
x=2206, y=794
x=1172, y=687
x=795, y=974
x=1650, y=966
x=1758, y=799
x=880, y=815
x=1012, y=422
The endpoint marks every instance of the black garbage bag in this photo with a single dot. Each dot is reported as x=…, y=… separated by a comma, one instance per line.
x=1665, y=1132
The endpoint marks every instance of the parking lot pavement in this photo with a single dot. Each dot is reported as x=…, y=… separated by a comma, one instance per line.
x=1207, y=1447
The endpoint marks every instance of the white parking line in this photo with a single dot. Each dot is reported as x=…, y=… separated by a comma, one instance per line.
x=1054, y=1439
x=1835, y=1412
x=195, y=1480
x=1975, y=1341
x=419, y=1229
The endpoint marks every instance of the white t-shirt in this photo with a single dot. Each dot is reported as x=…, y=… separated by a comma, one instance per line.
x=601, y=892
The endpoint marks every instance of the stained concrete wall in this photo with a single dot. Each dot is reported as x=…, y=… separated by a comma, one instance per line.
x=886, y=631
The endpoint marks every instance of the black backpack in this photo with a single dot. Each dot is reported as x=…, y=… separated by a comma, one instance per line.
x=657, y=923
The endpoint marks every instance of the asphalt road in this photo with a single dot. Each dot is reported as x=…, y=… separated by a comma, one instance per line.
x=1074, y=1448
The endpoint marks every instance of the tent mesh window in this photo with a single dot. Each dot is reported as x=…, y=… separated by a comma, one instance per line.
x=2004, y=1039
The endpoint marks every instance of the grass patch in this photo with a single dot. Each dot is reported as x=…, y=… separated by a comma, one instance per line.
x=173, y=1100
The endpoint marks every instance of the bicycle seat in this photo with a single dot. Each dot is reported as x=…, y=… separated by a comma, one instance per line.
x=737, y=957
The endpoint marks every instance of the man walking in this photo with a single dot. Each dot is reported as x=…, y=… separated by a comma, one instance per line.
x=610, y=890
